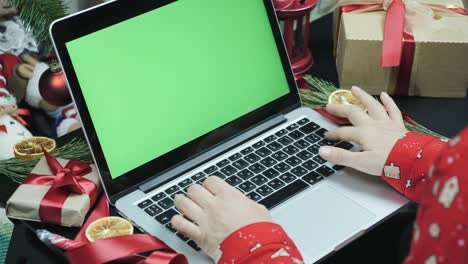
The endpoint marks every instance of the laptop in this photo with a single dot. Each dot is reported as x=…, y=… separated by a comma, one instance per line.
x=170, y=92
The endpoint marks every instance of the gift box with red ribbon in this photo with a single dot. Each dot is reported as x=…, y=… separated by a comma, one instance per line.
x=403, y=47
x=57, y=191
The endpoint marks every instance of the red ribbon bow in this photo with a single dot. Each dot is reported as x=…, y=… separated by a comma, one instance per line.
x=64, y=181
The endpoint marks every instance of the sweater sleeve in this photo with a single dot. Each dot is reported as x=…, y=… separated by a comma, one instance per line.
x=440, y=234
x=409, y=163
x=262, y=242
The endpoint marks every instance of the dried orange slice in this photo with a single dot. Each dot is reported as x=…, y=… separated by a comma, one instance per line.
x=345, y=97
x=106, y=227
x=32, y=147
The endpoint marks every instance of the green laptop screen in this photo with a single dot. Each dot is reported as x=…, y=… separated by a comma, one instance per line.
x=164, y=78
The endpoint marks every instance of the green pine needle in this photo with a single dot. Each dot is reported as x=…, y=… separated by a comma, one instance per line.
x=17, y=169
x=37, y=15
x=317, y=97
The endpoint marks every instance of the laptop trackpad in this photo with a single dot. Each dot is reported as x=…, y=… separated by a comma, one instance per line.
x=320, y=218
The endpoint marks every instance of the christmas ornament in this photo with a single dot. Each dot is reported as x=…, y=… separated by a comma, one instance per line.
x=33, y=147
x=294, y=20
x=53, y=86
x=315, y=94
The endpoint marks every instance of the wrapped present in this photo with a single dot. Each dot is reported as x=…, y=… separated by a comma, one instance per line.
x=403, y=47
x=56, y=191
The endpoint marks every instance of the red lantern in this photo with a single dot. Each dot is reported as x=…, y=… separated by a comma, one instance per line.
x=294, y=21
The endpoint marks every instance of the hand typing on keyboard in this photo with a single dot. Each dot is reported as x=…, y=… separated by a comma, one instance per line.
x=218, y=209
x=376, y=132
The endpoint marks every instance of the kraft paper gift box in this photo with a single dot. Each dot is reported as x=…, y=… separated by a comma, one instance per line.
x=435, y=66
x=71, y=209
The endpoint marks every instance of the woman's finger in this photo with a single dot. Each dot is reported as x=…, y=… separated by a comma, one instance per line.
x=217, y=186
x=188, y=208
x=348, y=133
x=357, y=160
x=200, y=195
x=29, y=60
x=374, y=108
x=354, y=114
x=186, y=227
x=392, y=109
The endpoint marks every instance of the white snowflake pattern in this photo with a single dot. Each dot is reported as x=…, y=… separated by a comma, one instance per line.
x=434, y=230
x=435, y=187
x=461, y=242
x=431, y=260
x=257, y=246
x=280, y=253
x=450, y=160
x=408, y=184
x=431, y=171
x=419, y=156
x=417, y=232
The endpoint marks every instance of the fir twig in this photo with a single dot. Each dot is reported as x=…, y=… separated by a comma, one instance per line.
x=17, y=169
x=38, y=15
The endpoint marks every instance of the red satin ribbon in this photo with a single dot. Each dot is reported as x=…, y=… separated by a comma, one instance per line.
x=406, y=66
x=22, y=112
x=123, y=248
x=64, y=181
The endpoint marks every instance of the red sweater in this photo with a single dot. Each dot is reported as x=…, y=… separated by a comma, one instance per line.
x=427, y=170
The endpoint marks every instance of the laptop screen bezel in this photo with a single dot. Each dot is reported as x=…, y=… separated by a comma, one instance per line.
x=87, y=22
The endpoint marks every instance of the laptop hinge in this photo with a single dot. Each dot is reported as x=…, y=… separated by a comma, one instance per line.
x=211, y=153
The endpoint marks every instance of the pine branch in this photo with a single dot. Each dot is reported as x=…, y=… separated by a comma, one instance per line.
x=37, y=17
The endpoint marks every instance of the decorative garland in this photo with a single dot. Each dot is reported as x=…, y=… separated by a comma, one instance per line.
x=317, y=97
x=17, y=169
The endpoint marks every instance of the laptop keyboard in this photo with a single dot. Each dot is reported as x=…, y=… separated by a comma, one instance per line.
x=269, y=171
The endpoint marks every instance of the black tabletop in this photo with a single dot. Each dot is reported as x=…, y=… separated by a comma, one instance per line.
x=445, y=116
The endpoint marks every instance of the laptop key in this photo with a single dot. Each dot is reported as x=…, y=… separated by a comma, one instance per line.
x=284, y=194
x=219, y=174
x=325, y=171
x=240, y=164
x=235, y=157
x=254, y=196
x=198, y=176
x=181, y=236
x=319, y=160
x=185, y=182
x=158, y=196
x=258, y=144
x=312, y=138
x=279, y=155
x=282, y=167
x=153, y=210
x=270, y=173
x=293, y=161
x=176, y=193
x=314, y=149
x=172, y=189
x=166, y=203
x=245, y=174
x=252, y=158
x=257, y=168
x=145, y=203
x=210, y=170
x=292, y=127
x=304, y=155
x=299, y=171
x=310, y=165
x=344, y=145
x=263, y=152
x=247, y=186
x=268, y=161
x=312, y=178
x=169, y=226
x=326, y=142
x=276, y=184
x=166, y=217
x=229, y=170
x=309, y=128
x=296, y=134
x=285, y=140
x=270, y=139
x=222, y=163
x=193, y=245
x=274, y=146
x=287, y=177
x=290, y=150
x=338, y=167
x=280, y=133
x=233, y=180
x=321, y=132
x=264, y=190
x=259, y=180
x=246, y=151
x=302, y=144
x=303, y=121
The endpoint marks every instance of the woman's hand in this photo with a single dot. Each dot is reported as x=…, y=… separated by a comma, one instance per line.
x=376, y=132
x=217, y=209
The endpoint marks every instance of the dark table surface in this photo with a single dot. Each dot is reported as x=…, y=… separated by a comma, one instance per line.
x=445, y=116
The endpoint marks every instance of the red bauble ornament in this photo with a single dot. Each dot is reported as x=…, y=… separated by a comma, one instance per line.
x=53, y=86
